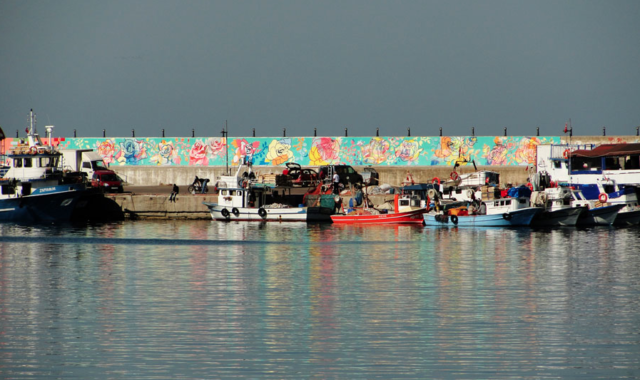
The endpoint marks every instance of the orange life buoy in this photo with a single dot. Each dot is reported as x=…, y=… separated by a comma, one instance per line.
x=565, y=154
x=434, y=180
x=454, y=176
x=530, y=186
x=33, y=150
x=603, y=197
x=487, y=181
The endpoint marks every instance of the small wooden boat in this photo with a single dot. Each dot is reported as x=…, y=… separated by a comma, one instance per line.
x=371, y=217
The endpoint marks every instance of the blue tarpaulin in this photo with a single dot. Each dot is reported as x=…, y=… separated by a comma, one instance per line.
x=521, y=191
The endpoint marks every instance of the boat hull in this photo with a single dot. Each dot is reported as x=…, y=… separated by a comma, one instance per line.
x=51, y=204
x=409, y=217
x=516, y=218
x=563, y=217
x=629, y=218
x=599, y=216
x=252, y=214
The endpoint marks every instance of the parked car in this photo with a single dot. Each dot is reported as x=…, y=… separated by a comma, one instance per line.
x=300, y=176
x=107, y=180
x=370, y=176
x=348, y=175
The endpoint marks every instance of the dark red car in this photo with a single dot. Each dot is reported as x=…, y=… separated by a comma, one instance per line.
x=300, y=176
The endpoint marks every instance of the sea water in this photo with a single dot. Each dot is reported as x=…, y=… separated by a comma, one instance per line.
x=205, y=299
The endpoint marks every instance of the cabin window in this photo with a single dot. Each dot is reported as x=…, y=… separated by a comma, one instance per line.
x=17, y=162
x=631, y=162
x=507, y=202
x=612, y=163
x=522, y=200
x=586, y=163
x=86, y=165
x=223, y=192
x=557, y=164
x=44, y=162
x=28, y=163
x=404, y=202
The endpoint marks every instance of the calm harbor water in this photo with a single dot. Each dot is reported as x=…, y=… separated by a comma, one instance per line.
x=203, y=299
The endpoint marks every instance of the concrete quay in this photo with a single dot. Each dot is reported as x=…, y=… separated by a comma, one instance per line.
x=148, y=196
x=152, y=202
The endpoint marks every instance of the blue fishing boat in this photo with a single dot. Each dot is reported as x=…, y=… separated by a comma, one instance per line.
x=516, y=218
x=513, y=211
x=33, y=189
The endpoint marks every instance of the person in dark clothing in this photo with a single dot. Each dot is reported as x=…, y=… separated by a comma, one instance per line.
x=174, y=193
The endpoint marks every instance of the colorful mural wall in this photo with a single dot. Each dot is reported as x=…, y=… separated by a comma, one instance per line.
x=311, y=151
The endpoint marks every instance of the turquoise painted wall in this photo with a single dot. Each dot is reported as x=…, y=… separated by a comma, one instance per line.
x=311, y=151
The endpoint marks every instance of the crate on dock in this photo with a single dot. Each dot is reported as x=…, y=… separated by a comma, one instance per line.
x=267, y=178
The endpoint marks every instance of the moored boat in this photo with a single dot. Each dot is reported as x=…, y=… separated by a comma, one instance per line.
x=373, y=217
x=515, y=218
x=33, y=189
x=242, y=198
x=595, y=213
x=511, y=211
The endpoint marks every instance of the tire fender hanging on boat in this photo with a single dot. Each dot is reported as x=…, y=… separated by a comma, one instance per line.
x=225, y=212
x=235, y=211
x=454, y=219
x=506, y=216
x=262, y=212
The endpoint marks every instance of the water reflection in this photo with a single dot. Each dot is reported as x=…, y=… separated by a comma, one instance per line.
x=203, y=299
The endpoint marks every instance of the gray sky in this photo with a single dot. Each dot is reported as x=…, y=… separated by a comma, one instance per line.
x=146, y=65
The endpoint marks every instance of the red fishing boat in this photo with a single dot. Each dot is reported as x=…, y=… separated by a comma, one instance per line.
x=408, y=217
x=406, y=214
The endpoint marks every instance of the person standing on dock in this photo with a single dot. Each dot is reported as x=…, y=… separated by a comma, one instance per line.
x=336, y=183
x=174, y=193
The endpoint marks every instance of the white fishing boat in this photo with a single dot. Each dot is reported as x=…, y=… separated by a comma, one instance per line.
x=557, y=207
x=608, y=173
x=242, y=198
x=609, y=192
x=595, y=213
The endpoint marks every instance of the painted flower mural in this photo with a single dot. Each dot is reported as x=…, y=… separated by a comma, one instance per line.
x=131, y=152
x=279, y=152
x=408, y=151
x=198, y=154
x=376, y=152
x=166, y=154
x=498, y=154
x=216, y=146
x=243, y=149
x=323, y=150
x=107, y=149
x=527, y=151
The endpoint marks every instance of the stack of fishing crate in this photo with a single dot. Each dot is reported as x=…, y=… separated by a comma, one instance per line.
x=489, y=193
x=275, y=179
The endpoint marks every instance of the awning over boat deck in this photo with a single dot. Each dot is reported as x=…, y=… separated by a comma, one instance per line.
x=608, y=150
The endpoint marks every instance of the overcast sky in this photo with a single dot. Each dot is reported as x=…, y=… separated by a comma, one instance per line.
x=180, y=65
